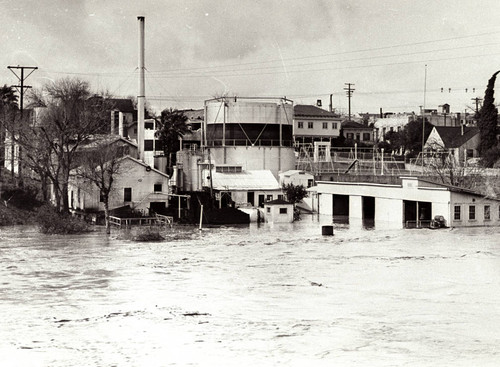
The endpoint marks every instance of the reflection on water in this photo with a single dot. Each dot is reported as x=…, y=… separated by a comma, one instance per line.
x=252, y=295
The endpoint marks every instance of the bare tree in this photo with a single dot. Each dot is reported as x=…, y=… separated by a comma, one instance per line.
x=72, y=115
x=450, y=169
x=100, y=167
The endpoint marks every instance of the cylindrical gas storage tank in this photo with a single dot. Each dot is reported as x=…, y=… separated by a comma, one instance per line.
x=253, y=132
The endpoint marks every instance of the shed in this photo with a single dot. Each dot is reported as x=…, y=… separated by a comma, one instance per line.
x=278, y=211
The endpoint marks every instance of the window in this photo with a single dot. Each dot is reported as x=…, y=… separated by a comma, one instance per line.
x=358, y=136
x=268, y=209
x=158, y=145
x=470, y=153
x=334, y=125
x=148, y=145
x=310, y=125
x=472, y=212
x=149, y=126
x=300, y=124
x=310, y=182
x=366, y=136
x=325, y=125
x=269, y=197
x=487, y=213
x=157, y=187
x=350, y=136
x=283, y=210
x=127, y=194
x=281, y=197
x=456, y=215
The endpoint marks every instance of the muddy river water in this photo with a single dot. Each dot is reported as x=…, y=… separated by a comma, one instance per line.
x=268, y=295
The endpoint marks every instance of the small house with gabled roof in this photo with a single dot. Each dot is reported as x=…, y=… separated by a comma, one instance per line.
x=460, y=142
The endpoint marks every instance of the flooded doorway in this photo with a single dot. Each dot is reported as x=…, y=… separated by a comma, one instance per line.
x=340, y=208
x=368, y=211
x=417, y=214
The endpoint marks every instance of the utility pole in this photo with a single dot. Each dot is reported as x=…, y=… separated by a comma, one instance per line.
x=20, y=88
x=477, y=100
x=349, y=90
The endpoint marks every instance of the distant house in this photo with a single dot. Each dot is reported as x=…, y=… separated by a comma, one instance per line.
x=358, y=132
x=123, y=114
x=136, y=185
x=297, y=177
x=460, y=143
x=311, y=123
x=391, y=123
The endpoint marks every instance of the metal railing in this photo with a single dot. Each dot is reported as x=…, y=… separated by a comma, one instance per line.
x=418, y=223
x=157, y=220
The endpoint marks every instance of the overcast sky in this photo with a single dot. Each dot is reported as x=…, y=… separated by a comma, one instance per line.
x=302, y=49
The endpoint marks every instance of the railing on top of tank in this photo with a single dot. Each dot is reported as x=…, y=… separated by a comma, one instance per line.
x=247, y=143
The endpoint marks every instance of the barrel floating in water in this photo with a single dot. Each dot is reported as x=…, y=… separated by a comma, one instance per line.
x=327, y=230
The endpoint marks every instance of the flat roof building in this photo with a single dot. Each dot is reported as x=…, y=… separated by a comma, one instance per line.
x=412, y=203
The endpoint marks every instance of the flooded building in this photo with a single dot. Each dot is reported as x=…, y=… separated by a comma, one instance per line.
x=411, y=203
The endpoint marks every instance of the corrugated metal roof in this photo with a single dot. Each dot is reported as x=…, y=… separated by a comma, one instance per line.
x=246, y=180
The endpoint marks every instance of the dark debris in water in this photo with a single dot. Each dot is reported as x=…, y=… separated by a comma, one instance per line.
x=195, y=314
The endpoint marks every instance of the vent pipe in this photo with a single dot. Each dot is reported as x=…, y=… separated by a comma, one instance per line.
x=141, y=96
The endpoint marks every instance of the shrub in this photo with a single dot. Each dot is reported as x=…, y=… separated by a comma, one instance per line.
x=146, y=234
x=51, y=222
x=23, y=198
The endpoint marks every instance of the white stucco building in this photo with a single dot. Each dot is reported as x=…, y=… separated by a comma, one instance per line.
x=136, y=184
x=413, y=203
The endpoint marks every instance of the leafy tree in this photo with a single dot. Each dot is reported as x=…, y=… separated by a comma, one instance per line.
x=411, y=136
x=172, y=126
x=294, y=193
x=487, y=122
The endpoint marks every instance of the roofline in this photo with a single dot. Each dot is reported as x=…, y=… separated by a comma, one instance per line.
x=144, y=165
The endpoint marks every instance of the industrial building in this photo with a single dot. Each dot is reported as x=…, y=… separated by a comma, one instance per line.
x=411, y=203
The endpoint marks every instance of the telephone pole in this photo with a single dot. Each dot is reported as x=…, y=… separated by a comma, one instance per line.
x=477, y=100
x=349, y=90
x=20, y=88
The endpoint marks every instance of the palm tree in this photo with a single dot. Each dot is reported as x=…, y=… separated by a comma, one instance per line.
x=172, y=126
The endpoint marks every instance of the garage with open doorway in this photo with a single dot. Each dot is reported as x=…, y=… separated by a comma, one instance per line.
x=417, y=214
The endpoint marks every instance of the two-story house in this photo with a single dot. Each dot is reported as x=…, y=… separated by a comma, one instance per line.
x=312, y=123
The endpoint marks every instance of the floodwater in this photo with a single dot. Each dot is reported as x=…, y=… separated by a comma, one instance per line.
x=273, y=295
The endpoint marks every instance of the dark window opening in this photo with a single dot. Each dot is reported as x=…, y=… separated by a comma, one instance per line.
x=127, y=194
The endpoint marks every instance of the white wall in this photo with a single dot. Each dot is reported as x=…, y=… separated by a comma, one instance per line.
x=325, y=204
x=133, y=175
x=275, y=159
x=273, y=215
x=355, y=207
